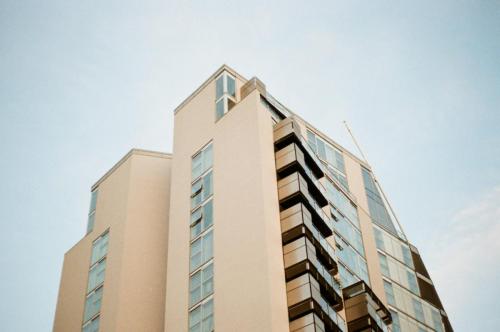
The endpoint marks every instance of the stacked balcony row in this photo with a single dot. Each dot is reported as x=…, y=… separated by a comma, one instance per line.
x=313, y=294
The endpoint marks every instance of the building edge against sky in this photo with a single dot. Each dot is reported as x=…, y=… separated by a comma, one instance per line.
x=256, y=222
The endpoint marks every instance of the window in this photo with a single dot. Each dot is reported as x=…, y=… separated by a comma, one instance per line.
x=384, y=267
x=202, y=161
x=93, y=201
x=195, y=288
x=201, y=318
x=321, y=149
x=231, y=86
x=376, y=206
x=96, y=275
x=346, y=277
x=201, y=190
x=389, y=293
x=418, y=309
x=348, y=231
x=352, y=259
x=379, y=240
x=208, y=246
x=201, y=222
x=407, y=255
x=195, y=320
x=393, y=246
x=436, y=320
x=396, y=327
x=90, y=222
x=201, y=284
x=201, y=219
x=92, y=326
x=201, y=251
x=412, y=282
x=91, y=217
x=93, y=304
x=225, y=95
x=95, y=282
x=207, y=280
x=99, y=248
x=219, y=87
x=208, y=316
x=220, y=108
x=196, y=256
x=311, y=139
x=342, y=203
x=331, y=156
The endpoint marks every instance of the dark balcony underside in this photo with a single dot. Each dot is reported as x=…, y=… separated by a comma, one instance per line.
x=329, y=293
x=317, y=219
x=323, y=255
x=310, y=305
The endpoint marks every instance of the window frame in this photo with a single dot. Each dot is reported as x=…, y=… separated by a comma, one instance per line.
x=201, y=306
x=225, y=97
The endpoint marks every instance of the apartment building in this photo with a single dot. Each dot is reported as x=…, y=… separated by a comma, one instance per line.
x=256, y=222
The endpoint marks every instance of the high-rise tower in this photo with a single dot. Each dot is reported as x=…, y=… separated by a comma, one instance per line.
x=256, y=222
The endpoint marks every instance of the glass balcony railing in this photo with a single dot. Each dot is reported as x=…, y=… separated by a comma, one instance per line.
x=303, y=253
x=325, y=274
x=361, y=300
x=293, y=227
x=293, y=184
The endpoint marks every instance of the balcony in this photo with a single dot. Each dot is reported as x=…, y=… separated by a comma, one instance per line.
x=364, y=310
x=300, y=258
x=296, y=222
x=287, y=132
x=312, y=323
x=307, y=306
x=291, y=159
x=292, y=190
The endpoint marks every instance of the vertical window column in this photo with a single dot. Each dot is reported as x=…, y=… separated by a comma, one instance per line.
x=91, y=218
x=91, y=315
x=201, y=266
x=225, y=95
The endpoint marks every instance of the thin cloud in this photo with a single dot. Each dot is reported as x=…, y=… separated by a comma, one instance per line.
x=465, y=265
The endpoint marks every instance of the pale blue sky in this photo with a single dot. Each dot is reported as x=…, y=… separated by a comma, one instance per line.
x=82, y=82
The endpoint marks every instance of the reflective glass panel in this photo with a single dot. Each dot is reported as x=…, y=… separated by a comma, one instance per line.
x=195, y=288
x=389, y=292
x=208, y=243
x=231, y=86
x=220, y=108
x=92, y=326
x=219, y=87
x=96, y=275
x=99, y=248
x=93, y=304
x=208, y=280
x=208, y=314
x=195, y=259
x=207, y=214
x=195, y=320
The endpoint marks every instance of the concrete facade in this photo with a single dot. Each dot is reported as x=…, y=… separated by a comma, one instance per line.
x=298, y=244
x=133, y=204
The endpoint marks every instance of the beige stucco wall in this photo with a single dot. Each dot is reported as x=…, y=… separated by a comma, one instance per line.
x=357, y=188
x=71, y=299
x=133, y=203
x=249, y=281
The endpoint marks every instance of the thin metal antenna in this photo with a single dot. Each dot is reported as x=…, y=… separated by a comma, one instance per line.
x=376, y=181
x=355, y=142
